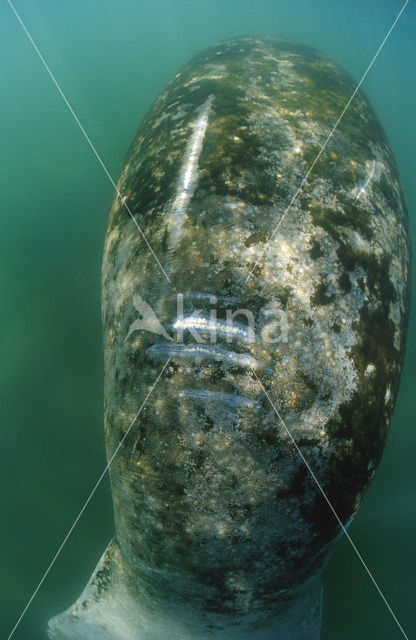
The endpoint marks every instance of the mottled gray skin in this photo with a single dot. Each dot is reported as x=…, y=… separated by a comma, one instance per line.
x=220, y=530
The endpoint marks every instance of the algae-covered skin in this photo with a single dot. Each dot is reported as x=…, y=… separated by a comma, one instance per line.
x=221, y=532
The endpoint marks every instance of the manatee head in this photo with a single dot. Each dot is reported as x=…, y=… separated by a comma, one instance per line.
x=253, y=343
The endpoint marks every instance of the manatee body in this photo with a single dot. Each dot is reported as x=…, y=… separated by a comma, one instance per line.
x=221, y=532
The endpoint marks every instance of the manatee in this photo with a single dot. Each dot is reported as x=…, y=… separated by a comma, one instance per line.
x=267, y=321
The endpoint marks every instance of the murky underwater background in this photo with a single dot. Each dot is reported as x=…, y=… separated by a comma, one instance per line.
x=112, y=59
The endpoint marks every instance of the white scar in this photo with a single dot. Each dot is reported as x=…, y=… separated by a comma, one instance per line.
x=367, y=182
x=188, y=173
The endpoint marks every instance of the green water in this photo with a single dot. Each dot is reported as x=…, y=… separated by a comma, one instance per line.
x=112, y=59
